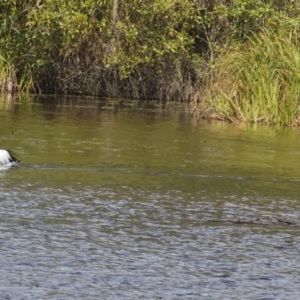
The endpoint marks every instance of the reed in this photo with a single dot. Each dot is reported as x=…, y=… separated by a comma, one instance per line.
x=258, y=81
x=8, y=82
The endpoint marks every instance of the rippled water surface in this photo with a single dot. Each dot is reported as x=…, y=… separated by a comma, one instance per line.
x=121, y=200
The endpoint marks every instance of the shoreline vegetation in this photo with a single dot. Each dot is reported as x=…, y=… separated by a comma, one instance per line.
x=236, y=60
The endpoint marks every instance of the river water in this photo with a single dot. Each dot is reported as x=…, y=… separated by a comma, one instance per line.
x=126, y=200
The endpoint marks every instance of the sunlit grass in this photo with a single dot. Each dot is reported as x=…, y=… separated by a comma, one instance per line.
x=7, y=76
x=258, y=81
x=9, y=81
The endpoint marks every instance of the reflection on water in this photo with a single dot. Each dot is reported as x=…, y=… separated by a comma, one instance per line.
x=125, y=200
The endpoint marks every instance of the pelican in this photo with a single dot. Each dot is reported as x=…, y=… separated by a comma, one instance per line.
x=7, y=159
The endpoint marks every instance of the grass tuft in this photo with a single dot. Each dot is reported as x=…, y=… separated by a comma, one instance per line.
x=7, y=76
x=258, y=81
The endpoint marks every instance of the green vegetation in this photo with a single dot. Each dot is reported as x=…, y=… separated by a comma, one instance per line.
x=259, y=80
x=235, y=60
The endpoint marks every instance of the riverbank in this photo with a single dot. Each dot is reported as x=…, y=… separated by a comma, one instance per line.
x=188, y=51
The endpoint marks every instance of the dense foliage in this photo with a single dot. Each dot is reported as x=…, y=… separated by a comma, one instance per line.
x=259, y=80
x=160, y=49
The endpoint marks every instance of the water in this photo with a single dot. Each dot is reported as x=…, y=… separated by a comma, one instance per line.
x=120, y=200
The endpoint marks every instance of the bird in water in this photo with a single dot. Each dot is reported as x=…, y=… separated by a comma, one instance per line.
x=7, y=158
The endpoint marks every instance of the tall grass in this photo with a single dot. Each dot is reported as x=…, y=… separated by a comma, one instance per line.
x=258, y=81
x=8, y=82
